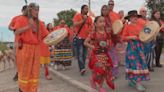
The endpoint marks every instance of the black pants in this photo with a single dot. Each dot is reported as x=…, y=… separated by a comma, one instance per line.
x=158, y=51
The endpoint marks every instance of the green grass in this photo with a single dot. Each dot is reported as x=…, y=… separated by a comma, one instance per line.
x=3, y=47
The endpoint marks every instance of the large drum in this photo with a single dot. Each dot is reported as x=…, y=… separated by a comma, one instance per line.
x=117, y=26
x=149, y=32
x=63, y=55
x=56, y=36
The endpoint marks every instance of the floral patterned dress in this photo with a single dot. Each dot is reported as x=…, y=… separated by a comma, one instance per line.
x=136, y=67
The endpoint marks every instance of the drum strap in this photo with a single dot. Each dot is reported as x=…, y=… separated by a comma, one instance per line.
x=80, y=28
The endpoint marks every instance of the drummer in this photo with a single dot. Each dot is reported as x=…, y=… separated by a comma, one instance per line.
x=160, y=37
x=149, y=49
x=64, y=44
x=136, y=68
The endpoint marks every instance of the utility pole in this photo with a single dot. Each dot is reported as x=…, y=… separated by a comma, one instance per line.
x=89, y=3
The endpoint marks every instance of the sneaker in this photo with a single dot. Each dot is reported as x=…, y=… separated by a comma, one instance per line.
x=48, y=77
x=131, y=84
x=83, y=72
x=140, y=88
x=102, y=89
x=159, y=65
x=15, y=77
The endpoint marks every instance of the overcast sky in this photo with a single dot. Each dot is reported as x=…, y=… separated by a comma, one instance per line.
x=49, y=8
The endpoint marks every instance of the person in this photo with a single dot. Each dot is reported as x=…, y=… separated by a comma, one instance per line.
x=100, y=62
x=50, y=27
x=149, y=47
x=11, y=27
x=159, y=39
x=112, y=14
x=112, y=52
x=83, y=25
x=31, y=31
x=45, y=59
x=136, y=67
x=63, y=50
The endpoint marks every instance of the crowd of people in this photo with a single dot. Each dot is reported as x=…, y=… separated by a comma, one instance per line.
x=93, y=41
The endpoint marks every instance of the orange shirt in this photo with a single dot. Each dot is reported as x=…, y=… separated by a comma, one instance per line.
x=12, y=24
x=30, y=37
x=131, y=30
x=113, y=16
x=142, y=22
x=87, y=27
x=44, y=51
x=162, y=23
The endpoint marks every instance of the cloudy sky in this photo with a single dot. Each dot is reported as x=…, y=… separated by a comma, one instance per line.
x=49, y=8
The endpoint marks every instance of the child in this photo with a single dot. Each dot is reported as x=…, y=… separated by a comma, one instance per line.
x=100, y=62
x=136, y=67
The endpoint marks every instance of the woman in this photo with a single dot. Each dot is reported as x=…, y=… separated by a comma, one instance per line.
x=160, y=37
x=136, y=67
x=112, y=52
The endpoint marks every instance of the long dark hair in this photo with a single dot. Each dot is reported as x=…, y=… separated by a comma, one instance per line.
x=154, y=18
x=83, y=6
x=104, y=6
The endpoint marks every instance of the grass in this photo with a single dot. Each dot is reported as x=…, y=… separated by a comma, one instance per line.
x=3, y=47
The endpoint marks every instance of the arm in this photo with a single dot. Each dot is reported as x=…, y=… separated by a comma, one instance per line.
x=21, y=30
x=87, y=43
x=76, y=21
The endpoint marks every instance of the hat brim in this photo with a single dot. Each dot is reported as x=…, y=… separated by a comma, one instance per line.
x=127, y=17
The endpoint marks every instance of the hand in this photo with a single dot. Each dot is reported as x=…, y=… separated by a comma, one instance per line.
x=31, y=22
x=84, y=17
x=133, y=37
x=92, y=46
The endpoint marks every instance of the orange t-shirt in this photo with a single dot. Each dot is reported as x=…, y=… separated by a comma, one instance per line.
x=113, y=16
x=30, y=37
x=87, y=27
x=131, y=30
x=142, y=22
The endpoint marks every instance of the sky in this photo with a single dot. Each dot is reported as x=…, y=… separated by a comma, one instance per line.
x=49, y=9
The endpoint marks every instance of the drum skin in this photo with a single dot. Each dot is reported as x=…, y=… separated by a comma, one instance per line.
x=56, y=36
x=117, y=26
x=149, y=32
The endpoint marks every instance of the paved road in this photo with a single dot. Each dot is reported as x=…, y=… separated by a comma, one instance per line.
x=55, y=85
x=156, y=82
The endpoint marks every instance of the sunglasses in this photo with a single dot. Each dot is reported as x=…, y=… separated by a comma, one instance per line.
x=111, y=4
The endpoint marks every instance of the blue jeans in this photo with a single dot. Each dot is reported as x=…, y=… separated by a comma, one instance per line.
x=81, y=52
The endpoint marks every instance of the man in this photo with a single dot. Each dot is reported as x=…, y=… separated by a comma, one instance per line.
x=149, y=50
x=112, y=14
x=83, y=25
x=31, y=31
x=11, y=27
x=143, y=20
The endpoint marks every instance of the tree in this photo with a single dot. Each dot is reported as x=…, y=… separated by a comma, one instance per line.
x=156, y=5
x=67, y=15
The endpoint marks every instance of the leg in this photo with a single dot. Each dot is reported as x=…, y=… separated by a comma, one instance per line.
x=81, y=56
x=48, y=77
x=158, y=51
